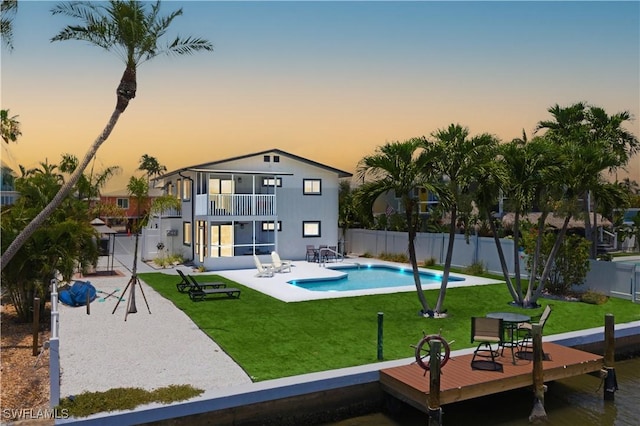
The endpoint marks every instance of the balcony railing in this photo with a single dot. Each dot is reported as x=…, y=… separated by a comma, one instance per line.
x=238, y=205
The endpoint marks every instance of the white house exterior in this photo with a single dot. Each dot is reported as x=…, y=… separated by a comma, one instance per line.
x=255, y=203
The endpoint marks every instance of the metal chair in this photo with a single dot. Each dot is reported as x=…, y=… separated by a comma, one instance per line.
x=486, y=331
x=312, y=254
x=526, y=327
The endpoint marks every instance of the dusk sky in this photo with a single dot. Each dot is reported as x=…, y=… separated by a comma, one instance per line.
x=329, y=81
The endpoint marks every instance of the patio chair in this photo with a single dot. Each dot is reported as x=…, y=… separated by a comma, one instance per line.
x=312, y=254
x=265, y=270
x=525, y=328
x=280, y=265
x=198, y=293
x=486, y=331
x=185, y=285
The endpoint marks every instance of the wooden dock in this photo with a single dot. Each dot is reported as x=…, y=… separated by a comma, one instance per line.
x=459, y=381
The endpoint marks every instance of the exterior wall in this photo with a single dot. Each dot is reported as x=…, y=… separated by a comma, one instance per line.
x=291, y=210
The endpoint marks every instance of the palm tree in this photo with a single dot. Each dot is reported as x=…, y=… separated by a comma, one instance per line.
x=139, y=189
x=88, y=187
x=400, y=167
x=151, y=166
x=460, y=160
x=8, y=9
x=592, y=126
x=530, y=167
x=10, y=129
x=132, y=30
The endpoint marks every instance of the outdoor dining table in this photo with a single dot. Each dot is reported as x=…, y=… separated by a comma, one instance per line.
x=510, y=321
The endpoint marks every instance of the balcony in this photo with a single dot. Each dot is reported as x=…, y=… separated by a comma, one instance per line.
x=236, y=205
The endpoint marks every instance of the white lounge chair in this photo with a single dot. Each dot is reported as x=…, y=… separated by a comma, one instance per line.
x=263, y=270
x=280, y=265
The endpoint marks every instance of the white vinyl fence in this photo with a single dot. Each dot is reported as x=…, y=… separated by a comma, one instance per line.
x=617, y=279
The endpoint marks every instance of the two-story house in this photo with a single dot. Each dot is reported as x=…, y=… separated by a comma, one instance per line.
x=254, y=203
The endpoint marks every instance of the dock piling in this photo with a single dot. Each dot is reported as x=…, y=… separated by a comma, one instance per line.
x=610, y=381
x=538, y=413
x=433, y=403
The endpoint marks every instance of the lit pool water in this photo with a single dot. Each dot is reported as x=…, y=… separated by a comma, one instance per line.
x=365, y=277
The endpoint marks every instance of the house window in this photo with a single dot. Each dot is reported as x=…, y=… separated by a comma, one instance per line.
x=269, y=181
x=276, y=158
x=312, y=187
x=267, y=159
x=186, y=190
x=311, y=228
x=270, y=226
x=123, y=203
x=186, y=233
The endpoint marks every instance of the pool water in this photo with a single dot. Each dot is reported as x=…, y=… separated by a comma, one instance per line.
x=366, y=277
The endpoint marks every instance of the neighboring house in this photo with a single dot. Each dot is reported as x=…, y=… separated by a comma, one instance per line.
x=8, y=194
x=389, y=202
x=127, y=203
x=254, y=203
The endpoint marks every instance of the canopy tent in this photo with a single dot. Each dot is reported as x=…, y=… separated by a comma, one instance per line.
x=106, y=244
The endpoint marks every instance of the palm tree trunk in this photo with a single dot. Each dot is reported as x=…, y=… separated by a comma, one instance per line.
x=64, y=191
x=550, y=259
x=503, y=263
x=516, y=254
x=533, y=274
x=447, y=261
x=414, y=261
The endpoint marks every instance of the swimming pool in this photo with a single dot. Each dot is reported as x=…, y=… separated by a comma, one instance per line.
x=365, y=277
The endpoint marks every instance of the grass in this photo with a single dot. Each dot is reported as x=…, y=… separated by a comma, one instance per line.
x=272, y=339
x=88, y=403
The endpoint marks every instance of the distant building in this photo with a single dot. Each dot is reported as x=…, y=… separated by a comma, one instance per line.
x=127, y=203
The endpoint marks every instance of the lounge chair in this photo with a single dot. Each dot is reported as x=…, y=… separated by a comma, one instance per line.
x=265, y=270
x=280, y=265
x=198, y=293
x=186, y=284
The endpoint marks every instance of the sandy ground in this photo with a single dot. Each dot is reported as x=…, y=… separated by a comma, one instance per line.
x=101, y=351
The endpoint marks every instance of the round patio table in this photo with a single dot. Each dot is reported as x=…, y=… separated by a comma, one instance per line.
x=510, y=321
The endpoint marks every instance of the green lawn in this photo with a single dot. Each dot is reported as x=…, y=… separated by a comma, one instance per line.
x=272, y=339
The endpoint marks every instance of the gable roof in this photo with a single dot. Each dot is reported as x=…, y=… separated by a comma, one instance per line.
x=340, y=173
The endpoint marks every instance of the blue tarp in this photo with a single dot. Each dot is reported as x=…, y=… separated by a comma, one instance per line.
x=77, y=294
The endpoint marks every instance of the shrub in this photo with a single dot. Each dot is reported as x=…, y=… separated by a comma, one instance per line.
x=394, y=257
x=594, y=298
x=476, y=268
x=429, y=262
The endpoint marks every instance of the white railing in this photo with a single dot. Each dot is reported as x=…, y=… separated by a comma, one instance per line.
x=242, y=205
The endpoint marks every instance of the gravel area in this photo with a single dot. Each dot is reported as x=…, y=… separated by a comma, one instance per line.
x=101, y=351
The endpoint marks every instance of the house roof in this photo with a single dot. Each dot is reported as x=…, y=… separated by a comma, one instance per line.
x=341, y=173
x=124, y=193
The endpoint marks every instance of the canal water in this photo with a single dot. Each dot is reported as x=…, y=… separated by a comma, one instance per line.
x=577, y=401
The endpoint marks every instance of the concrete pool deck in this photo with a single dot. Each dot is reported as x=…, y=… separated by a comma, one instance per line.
x=279, y=288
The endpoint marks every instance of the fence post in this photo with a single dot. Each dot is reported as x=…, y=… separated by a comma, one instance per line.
x=54, y=349
x=380, y=320
x=36, y=324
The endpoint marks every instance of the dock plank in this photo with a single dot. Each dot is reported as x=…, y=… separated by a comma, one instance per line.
x=459, y=382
